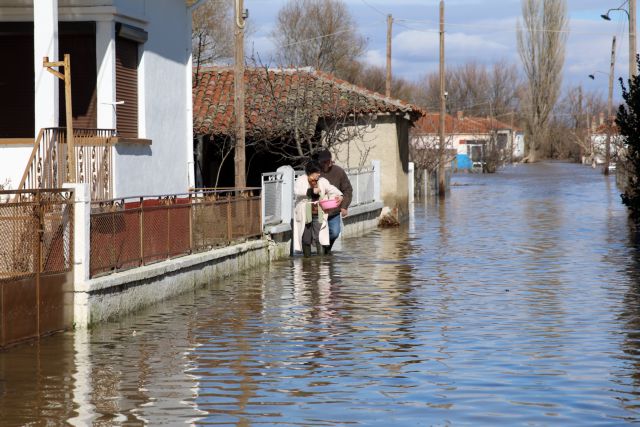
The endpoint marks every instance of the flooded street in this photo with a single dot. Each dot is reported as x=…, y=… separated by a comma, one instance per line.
x=516, y=301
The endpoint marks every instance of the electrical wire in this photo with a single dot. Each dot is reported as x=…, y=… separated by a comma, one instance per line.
x=374, y=8
x=487, y=27
x=326, y=35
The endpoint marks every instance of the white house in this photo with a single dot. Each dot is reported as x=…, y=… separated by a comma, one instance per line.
x=596, y=152
x=469, y=137
x=130, y=75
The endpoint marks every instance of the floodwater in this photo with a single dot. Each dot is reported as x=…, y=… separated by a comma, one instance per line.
x=514, y=302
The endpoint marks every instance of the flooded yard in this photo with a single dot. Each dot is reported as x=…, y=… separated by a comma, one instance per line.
x=516, y=301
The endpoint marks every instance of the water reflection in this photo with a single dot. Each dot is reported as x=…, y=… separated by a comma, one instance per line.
x=513, y=301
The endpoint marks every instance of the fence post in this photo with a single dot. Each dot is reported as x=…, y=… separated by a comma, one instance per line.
x=81, y=250
x=262, y=203
x=190, y=222
x=286, y=197
x=376, y=180
x=229, y=219
x=411, y=177
x=81, y=232
x=141, y=227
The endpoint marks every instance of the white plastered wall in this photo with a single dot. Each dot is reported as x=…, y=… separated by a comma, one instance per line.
x=164, y=91
x=13, y=159
x=164, y=104
x=382, y=142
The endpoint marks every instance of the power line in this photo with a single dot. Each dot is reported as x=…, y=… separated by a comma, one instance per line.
x=374, y=8
x=326, y=35
x=493, y=28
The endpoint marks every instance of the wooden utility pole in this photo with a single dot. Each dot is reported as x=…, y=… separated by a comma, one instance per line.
x=66, y=77
x=632, y=39
x=443, y=109
x=608, y=122
x=239, y=104
x=389, y=33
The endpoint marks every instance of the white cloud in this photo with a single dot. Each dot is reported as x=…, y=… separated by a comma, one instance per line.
x=375, y=57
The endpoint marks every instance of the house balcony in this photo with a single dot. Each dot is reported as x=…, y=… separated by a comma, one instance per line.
x=87, y=158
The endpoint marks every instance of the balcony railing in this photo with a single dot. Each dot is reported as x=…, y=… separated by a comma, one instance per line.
x=48, y=166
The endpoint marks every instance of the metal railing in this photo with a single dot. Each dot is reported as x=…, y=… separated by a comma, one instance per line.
x=272, y=187
x=36, y=263
x=362, y=181
x=36, y=228
x=48, y=165
x=136, y=231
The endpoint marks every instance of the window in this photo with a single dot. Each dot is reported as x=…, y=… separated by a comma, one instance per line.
x=17, y=76
x=127, y=60
x=78, y=39
x=17, y=118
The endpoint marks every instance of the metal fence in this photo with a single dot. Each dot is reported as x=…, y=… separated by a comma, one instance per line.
x=131, y=232
x=48, y=165
x=36, y=262
x=272, y=187
x=362, y=181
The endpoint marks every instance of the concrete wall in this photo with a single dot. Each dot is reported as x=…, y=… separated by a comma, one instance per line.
x=13, y=161
x=386, y=142
x=108, y=297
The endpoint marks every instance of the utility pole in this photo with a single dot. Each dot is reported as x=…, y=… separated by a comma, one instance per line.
x=443, y=111
x=239, y=151
x=632, y=39
x=608, y=123
x=389, y=32
x=513, y=136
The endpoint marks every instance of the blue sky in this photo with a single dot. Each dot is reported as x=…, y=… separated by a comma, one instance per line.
x=478, y=30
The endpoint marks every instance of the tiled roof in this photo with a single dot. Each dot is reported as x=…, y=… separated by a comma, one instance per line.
x=275, y=97
x=602, y=129
x=430, y=124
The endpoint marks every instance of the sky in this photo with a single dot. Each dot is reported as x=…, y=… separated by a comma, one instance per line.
x=483, y=31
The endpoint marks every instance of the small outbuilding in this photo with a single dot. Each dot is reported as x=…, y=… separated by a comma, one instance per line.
x=292, y=113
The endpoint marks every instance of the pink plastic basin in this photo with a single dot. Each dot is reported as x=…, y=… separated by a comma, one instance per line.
x=329, y=204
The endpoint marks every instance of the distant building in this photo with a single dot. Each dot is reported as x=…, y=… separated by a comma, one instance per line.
x=469, y=137
x=596, y=153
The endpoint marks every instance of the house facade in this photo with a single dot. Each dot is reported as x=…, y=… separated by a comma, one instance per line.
x=291, y=106
x=596, y=152
x=130, y=76
x=469, y=137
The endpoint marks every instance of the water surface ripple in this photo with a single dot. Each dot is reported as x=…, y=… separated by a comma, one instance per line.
x=516, y=302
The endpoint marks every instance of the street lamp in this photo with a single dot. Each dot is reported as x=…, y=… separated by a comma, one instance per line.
x=631, y=16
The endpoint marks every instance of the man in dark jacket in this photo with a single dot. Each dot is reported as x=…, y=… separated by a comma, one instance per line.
x=338, y=178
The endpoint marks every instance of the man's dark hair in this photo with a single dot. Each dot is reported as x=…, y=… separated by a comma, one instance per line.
x=324, y=155
x=312, y=167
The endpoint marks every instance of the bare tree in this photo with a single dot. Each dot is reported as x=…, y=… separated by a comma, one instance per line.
x=542, y=39
x=475, y=89
x=309, y=119
x=317, y=33
x=572, y=126
x=373, y=77
x=212, y=33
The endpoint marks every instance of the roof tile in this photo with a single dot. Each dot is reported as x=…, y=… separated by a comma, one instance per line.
x=272, y=96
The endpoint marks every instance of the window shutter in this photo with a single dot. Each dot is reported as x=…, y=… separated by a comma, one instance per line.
x=127, y=87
